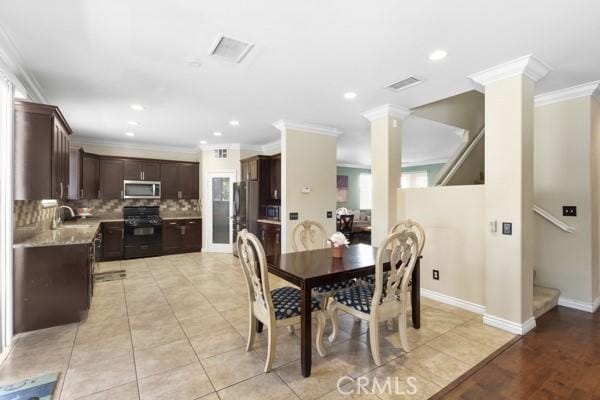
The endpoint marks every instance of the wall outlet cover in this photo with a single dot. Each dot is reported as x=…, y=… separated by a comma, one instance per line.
x=569, y=211
x=507, y=228
x=293, y=216
x=436, y=275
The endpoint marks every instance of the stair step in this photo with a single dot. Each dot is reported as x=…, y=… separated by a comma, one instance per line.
x=544, y=300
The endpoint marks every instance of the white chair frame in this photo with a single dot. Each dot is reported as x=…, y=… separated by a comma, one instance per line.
x=403, y=247
x=411, y=226
x=260, y=304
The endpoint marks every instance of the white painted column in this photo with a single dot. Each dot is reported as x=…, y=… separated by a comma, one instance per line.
x=386, y=166
x=308, y=176
x=509, y=90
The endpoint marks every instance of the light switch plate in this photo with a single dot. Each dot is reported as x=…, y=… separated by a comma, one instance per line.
x=507, y=228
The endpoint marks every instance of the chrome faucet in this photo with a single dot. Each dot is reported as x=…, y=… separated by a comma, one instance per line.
x=57, y=220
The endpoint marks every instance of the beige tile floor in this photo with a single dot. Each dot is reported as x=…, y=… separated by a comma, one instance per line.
x=175, y=328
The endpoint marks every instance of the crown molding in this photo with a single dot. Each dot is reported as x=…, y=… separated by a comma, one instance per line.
x=310, y=128
x=275, y=144
x=587, y=89
x=386, y=110
x=528, y=65
x=80, y=141
x=10, y=56
x=356, y=166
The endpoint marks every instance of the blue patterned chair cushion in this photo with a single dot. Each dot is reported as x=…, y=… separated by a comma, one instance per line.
x=370, y=279
x=330, y=287
x=286, y=301
x=357, y=297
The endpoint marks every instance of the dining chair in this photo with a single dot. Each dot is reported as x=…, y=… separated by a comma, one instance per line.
x=311, y=235
x=408, y=225
x=385, y=300
x=274, y=308
x=346, y=222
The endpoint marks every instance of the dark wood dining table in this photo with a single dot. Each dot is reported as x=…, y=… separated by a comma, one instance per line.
x=309, y=269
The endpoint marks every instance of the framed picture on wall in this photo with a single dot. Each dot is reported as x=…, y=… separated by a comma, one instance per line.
x=342, y=188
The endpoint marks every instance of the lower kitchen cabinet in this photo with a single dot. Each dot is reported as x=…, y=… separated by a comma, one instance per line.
x=112, y=240
x=270, y=236
x=181, y=236
x=52, y=294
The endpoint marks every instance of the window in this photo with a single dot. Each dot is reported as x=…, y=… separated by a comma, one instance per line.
x=364, y=185
x=220, y=154
x=417, y=179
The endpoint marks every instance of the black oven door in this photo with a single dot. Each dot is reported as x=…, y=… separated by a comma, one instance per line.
x=143, y=240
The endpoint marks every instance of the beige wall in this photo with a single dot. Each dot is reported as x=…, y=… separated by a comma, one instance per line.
x=454, y=221
x=509, y=198
x=563, y=177
x=386, y=169
x=595, y=134
x=307, y=159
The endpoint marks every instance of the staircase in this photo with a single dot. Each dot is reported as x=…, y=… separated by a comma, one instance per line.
x=544, y=300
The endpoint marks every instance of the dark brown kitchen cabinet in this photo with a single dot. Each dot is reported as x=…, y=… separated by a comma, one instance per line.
x=110, y=184
x=275, y=177
x=192, y=235
x=179, y=181
x=172, y=236
x=270, y=236
x=182, y=235
x=249, y=168
x=90, y=173
x=41, y=137
x=50, y=294
x=140, y=170
x=112, y=240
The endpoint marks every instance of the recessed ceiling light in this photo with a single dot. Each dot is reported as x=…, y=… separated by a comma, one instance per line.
x=137, y=107
x=437, y=55
x=233, y=122
x=217, y=133
x=133, y=123
x=350, y=95
x=203, y=142
x=131, y=134
x=194, y=63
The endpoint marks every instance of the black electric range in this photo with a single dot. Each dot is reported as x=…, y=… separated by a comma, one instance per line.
x=143, y=231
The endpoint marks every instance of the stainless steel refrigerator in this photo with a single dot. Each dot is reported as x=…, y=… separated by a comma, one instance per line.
x=245, y=208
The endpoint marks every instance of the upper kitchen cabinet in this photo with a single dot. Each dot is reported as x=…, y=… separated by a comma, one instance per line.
x=141, y=170
x=84, y=175
x=249, y=167
x=276, y=177
x=179, y=180
x=42, y=137
x=110, y=184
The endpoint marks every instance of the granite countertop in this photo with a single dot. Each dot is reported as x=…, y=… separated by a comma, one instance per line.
x=269, y=221
x=80, y=231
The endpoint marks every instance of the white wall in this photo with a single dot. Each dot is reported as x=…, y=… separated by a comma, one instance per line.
x=307, y=159
x=454, y=221
x=124, y=150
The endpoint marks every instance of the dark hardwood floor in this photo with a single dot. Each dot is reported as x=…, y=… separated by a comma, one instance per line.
x=560, y=359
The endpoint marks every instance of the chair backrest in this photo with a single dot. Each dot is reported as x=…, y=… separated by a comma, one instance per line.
x=254, y=265
x=411, y=226
x=309, y=235
x=346, y=222
x=341, y=211
x=401, y=248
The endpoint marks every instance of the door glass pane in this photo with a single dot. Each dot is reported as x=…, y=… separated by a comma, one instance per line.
x=220, y=210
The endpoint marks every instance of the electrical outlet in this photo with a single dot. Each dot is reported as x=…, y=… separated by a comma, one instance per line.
x=436, y=274
x=569, y=211
x=507, y=228
x=329, y=214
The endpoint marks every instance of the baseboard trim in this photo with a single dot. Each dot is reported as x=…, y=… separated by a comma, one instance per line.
x=579, y=305
x=509, y=326
x=453, y=301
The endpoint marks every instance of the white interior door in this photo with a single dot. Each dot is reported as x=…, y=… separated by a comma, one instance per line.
x=219, y=207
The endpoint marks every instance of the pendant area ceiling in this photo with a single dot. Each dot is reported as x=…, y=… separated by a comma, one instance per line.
x=96, y=58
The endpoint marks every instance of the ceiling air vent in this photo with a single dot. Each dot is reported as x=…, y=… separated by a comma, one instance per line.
x=404, y=83
x=230, y=49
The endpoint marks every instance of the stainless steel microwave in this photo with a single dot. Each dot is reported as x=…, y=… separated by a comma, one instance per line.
x=141, y=190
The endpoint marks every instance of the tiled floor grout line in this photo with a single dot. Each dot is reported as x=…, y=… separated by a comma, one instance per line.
x=62, y=386
x=183, y=330
x=137, y=380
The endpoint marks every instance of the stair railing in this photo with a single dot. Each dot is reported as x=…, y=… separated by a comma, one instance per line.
x=448, y=172
x=552, y=219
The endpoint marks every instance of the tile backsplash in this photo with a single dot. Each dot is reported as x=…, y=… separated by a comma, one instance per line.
x=31, y=212
x=116, y=206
